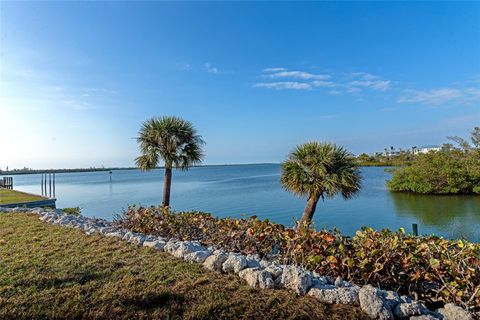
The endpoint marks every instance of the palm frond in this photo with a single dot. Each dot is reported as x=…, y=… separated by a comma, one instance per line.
x=172, y=139
x=320, y=170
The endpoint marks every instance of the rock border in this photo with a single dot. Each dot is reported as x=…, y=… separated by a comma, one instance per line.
x=262, y=274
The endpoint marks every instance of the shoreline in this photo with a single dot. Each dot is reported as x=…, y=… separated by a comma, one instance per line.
x=75, y=170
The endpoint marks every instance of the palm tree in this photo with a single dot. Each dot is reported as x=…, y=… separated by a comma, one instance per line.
x=318, y=170
x=173, y=140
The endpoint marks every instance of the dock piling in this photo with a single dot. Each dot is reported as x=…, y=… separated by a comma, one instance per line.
x=415, y=229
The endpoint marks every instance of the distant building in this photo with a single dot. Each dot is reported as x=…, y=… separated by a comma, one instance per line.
x=391, y=153
x=426, y=149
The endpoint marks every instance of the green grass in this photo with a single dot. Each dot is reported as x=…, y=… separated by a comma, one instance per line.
x=49, y=271
x=11, y=196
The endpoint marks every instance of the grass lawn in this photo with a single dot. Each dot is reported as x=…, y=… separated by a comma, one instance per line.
x=49, y=271
x=11, y=196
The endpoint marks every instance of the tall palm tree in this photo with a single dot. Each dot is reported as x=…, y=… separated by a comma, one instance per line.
x=173, y=140
x=318, y=170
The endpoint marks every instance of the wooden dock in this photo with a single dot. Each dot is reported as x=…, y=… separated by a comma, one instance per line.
x=7, y=183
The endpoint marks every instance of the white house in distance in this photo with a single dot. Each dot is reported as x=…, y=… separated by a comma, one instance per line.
x=426, y=149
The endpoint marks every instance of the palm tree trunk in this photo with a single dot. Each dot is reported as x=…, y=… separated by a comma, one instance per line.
x=309, y=210
x=167, y=183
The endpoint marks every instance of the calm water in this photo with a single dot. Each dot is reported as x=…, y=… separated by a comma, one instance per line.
x=255, y=189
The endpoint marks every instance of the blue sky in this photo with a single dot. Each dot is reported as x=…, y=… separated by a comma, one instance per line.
x=77, y=79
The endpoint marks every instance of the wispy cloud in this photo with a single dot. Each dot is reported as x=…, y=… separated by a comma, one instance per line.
x=351, y=83
x=294, y=80
x=440, y=96
x=210, y=68
x=273, y=69
x=77, y=105
x=321, y=83
x=292, y=85
x=297, y=75
x=362, y=84
x=364, y=80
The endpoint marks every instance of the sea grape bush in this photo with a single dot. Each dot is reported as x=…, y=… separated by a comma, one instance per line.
x=444, y=172
x=433, y=269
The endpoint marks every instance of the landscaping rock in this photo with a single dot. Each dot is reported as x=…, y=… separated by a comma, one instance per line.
x=296, y=279
x=171, y=246
x=339, y=282
x=117, y=234
x=372, y=303
x=265, y=273
x=406, y=310
x=155, y=244
x=256, y=278
x=186, y=247
x=275, y=270
x=197, y=256
x=235, y=263
x=132, y=237
x=392, y=298
x=425, y=317
x=453, y=312
x=328, y=293
x=215, y=261
x=253, y=261
x=318, y=280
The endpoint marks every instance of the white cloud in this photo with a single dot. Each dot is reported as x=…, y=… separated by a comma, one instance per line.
x=440, y=96
x=298, y=75
x=321, y=83
x=370, y=81
x=354, y=90
x=210, y=68
x=273, y=69
x=285, y=85
x=352, y=83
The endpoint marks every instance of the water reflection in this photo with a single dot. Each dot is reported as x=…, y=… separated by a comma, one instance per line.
x=454, y=214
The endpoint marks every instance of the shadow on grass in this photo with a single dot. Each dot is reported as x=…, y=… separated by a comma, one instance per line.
x=154, y=300
x=48, y=281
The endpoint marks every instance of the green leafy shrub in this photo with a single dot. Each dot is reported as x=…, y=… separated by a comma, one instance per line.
x=434, y=269
x=443, y=172
x=76, y=211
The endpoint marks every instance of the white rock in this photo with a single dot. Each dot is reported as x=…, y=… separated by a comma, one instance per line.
x=318, y=280
x=171, y=246
x=275, y=270
x=328, y=293
x=392, y=298
x=133, y=237
x=424, y=317
x=155, y=244
x=235, y=263
x=406, y=310
x=256, y=278
x=186, y=247
x=215, y=261
x=372, y=303
x=197, y=256
x=296, y=279
x=453, y=312
x=117, y=234
x=137, y=239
